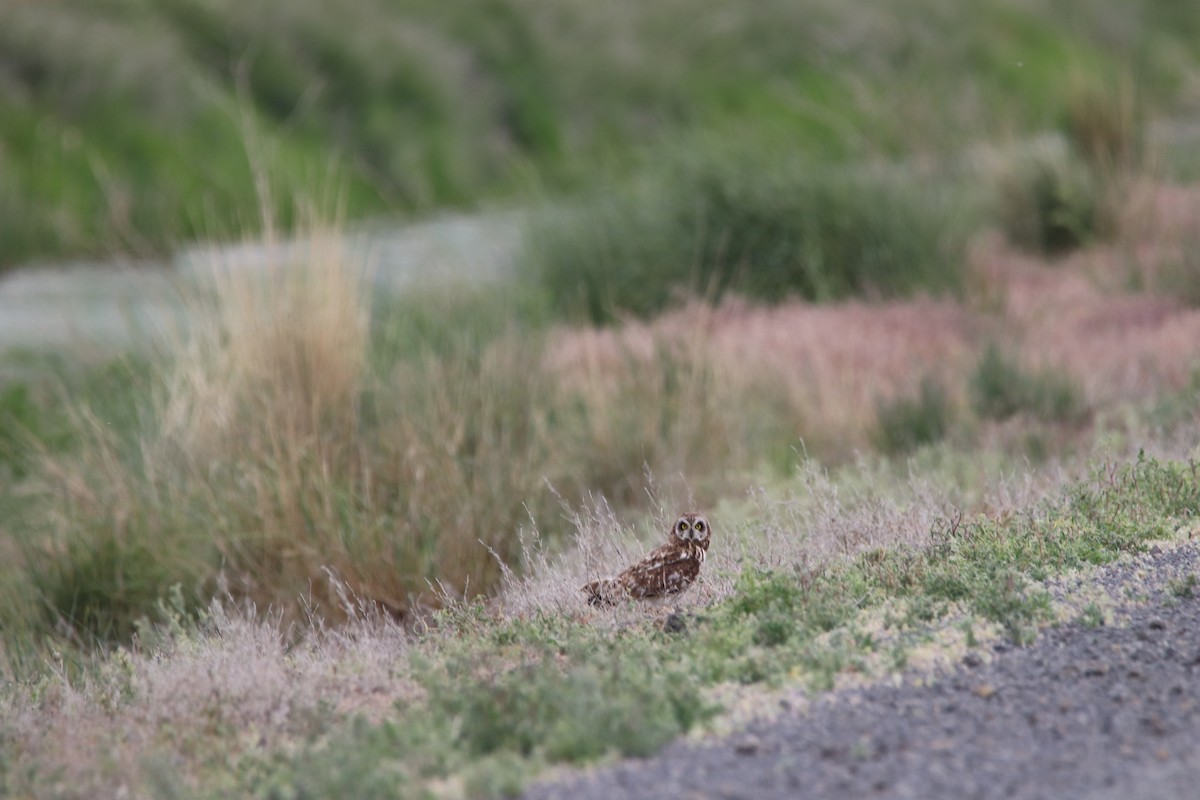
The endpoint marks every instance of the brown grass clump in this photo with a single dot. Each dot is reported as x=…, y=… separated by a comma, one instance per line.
x=273, y=455
x=278, y=355
x=1103, y=122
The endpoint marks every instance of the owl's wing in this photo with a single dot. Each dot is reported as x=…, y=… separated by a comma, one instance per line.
x=666, y=570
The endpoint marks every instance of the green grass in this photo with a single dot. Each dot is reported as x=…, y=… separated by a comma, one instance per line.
x=405, y=109
x=762, y=224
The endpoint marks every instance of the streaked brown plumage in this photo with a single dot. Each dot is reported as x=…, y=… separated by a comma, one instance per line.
x=666, y=570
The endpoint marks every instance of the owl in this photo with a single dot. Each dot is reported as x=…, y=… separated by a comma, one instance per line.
x=666, y=570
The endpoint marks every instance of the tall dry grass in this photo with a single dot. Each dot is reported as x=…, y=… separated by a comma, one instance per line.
x=286, y=438
x=275, y=452
x=290, y=435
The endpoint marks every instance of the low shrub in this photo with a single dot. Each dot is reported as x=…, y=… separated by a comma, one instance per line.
x=907, y=423
x=765, y=226
x=1001, y=388
x=1050, y=204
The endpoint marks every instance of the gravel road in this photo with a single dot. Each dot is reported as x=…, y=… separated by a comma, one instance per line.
x=1086, y=712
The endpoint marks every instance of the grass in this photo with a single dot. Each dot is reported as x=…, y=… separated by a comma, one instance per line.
x=763, y=225
x=1102, y=125
x=272, y=449
x=429, y=106
x=482, y=703
x=1053, y=202
x=332, y=470
x=326, y=543
x=296, y=444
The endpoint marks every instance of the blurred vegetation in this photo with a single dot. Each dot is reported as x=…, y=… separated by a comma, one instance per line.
x=906, y=423
x=134, y=124
x=1049, y=203
x=295, y=438
x=509, y=697
x=1002, y=388
x=766, y=227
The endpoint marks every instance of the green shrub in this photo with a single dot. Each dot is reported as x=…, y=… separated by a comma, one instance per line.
x=1050, y=204
x=909, y=422
x=1001, y=388
x=723, y=221
x=620, y=701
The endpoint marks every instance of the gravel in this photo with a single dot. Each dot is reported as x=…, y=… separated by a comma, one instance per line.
x=1085, y=712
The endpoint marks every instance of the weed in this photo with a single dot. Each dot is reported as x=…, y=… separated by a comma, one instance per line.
x=18, y=420
x=493, y=699
x=1178, y=274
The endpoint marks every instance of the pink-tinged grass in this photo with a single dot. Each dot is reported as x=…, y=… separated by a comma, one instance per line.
x=823, y=368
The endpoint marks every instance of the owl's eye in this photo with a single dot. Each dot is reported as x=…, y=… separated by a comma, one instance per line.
x=699, y=526
x=683, y=526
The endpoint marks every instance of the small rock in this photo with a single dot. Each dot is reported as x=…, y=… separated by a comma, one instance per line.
x=747, y=746
x=1157, y=624
x=972, y=660
x=1095, y=669
x=674, y=623
x=984, y=690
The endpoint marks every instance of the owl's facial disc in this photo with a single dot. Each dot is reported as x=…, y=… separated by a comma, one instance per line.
x=699, y=529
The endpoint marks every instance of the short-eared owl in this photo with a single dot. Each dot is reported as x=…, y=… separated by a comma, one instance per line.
x=666, y=570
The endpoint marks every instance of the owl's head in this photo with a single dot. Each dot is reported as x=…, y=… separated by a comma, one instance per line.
x=691, y=527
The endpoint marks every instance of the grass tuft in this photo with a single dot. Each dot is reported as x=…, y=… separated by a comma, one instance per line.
x=1102, y=122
